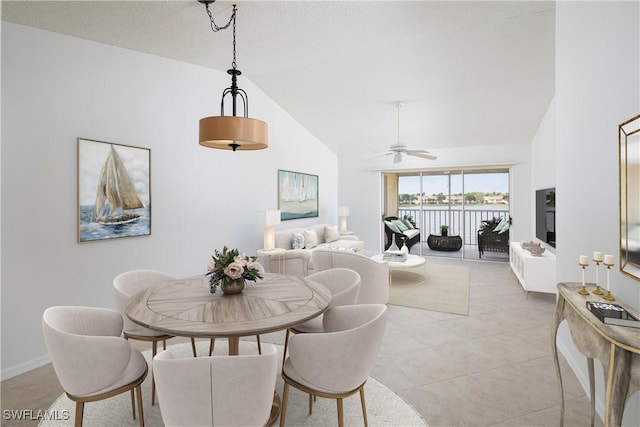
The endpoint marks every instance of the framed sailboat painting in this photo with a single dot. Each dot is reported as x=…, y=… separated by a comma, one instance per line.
x=114, y=190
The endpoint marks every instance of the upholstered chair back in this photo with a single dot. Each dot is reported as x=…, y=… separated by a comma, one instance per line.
x=374, y=275
x=342, y=358
x=86, y=350
x=126, y=285
x=216, y=390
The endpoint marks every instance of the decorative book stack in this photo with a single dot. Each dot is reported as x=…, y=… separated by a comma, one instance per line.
x=612, y=314
x=394, y=256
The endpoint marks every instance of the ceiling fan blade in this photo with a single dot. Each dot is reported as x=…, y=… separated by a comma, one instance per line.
x=422, y=154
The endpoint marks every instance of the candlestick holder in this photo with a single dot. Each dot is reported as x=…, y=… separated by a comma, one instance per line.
x=597, y=291
x=583, y=290
x=608, y=296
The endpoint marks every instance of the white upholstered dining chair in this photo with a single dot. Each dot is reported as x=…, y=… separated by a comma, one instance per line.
x=91, y=359
x=125, y=286
x=337, y=363
x=216, y=390
x=374, y=275
x=344, y=285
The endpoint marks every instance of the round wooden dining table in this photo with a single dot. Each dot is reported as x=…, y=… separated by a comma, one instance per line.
x=185, y=307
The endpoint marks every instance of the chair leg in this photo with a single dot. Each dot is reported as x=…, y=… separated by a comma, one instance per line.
x=212, y=344
x=364, y=407
x=310, y=404
x=79, y=414
x=285, y=398
x=286, y=343
x=133, y=404
x=259, y=346
x=340, y=413
x=193, y=347
x=154, y=351
x=140, y=410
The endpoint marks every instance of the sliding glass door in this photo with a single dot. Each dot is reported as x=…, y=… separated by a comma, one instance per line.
x=450, y=206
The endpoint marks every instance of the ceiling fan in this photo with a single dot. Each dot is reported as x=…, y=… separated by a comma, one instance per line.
x=398, y=149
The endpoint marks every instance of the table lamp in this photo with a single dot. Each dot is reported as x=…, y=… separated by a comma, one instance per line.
x=270, y=218
x=343, y=213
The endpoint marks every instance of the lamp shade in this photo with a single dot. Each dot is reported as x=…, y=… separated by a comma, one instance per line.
x=271, y=217
x=343, y=211
x=233, y=133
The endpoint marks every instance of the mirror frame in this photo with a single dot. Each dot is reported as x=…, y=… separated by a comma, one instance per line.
x=629, y=175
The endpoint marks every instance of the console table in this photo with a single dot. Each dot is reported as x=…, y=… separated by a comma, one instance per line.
x=444, y=243
x=617, y=347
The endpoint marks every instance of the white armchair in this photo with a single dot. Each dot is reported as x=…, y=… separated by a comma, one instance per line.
x=336, y=364
x=216, y=390
x=374, y=275
x=91, y=360
x=125, y=286
x=344, y=285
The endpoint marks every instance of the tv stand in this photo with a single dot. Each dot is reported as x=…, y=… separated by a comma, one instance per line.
x=535, y=273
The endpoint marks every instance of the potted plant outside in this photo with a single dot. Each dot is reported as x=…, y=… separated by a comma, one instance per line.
x=444, y=230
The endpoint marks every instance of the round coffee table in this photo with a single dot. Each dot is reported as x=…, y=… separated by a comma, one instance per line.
x=410, y=265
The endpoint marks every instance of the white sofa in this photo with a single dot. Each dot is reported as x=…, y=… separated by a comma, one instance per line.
x=297, y=261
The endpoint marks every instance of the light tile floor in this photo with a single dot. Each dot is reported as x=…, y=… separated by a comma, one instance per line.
x=491, y=368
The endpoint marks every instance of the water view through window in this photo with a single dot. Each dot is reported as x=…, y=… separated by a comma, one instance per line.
x=460, y=200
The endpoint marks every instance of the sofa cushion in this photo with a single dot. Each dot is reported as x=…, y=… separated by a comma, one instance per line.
x=331, y=233
x=343, y=244
x=411, y=233
x=297, y=240
x=310, y=238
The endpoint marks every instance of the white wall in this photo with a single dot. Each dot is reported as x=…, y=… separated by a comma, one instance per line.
x=57, y=88
x=543, y=161
x=361, y=185
x=597, y=88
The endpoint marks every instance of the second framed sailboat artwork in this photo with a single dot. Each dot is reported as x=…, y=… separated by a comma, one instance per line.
x=114, y=190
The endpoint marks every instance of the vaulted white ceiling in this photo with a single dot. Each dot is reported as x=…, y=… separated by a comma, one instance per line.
x=470, y=73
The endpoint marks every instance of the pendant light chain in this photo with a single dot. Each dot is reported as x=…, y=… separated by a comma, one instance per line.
x=215, y=28
x=233, y=63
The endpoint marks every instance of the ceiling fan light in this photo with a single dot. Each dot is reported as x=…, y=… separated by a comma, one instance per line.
x=397, y=157
x=233, y=133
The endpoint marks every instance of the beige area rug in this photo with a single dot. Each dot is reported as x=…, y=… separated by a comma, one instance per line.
x=384, y=407
x=432, y=286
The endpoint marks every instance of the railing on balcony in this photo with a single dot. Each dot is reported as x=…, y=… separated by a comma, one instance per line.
x=429, y=220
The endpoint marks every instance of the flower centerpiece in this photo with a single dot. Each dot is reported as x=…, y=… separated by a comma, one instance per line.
x=230, y=270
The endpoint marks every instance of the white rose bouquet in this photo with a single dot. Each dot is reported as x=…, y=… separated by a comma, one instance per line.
x=229, y=266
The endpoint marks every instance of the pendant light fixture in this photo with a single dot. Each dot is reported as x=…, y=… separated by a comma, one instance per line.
x=232, y=132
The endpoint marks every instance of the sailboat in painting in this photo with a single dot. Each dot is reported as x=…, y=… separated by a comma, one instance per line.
x=116, y=193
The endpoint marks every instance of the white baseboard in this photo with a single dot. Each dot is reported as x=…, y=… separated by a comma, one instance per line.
x=24, y=367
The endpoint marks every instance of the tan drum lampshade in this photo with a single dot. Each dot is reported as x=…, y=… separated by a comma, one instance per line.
x=233, y=133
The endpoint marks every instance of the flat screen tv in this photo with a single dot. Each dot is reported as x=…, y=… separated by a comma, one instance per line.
x=546, y=215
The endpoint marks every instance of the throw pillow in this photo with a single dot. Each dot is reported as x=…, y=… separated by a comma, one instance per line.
x=400, y=225
x=331, y=233
x=407, y=224
x=502, y=226
x=310, y=239
x=392, y=226
x=499, y=226
x=297, y=240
